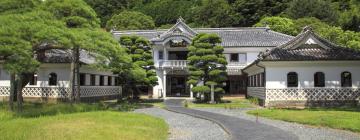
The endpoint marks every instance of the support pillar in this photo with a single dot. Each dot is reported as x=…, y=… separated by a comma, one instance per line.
x=164, y=85
x=212, y=94
x=191, y=93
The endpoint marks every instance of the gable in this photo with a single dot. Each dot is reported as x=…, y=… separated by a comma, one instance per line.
x=308, y=46
x=310, y=42
x=180, y=27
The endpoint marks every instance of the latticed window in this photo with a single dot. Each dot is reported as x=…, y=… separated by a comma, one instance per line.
x=292, y=79
x=33, y=79
x=52, y=79
x=319, y=79
x=346, y=79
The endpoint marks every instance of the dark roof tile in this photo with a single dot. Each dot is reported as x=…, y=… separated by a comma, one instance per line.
x=231, y=37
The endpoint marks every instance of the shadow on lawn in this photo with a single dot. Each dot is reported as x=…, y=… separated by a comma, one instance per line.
x=31, y=110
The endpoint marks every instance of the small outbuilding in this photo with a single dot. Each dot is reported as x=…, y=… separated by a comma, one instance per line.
x=51, y=82
x=306, y=71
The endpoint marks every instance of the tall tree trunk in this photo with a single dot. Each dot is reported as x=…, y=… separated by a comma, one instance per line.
x=22, y=80
x=12, y=91
x=72, y=80
x=19, y=88
x=77, y=73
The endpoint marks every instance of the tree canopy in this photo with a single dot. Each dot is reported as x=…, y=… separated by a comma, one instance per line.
x=142, y=72
x=207, y=65
x=335, y=34
x=130, y=20
x=51, y=24
x=235, y=13
x=213, y=13
x=320, y=9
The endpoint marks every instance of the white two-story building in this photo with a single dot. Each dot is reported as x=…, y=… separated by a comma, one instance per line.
x=241, y=47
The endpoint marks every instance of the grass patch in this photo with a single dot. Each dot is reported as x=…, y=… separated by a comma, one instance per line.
x=231, y=103
x=339, y=118
x=151, y=103
x=78, y=122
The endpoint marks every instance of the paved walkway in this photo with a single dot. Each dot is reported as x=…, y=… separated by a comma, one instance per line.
x=239, y=129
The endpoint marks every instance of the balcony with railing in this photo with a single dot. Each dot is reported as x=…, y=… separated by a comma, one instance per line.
x=173, y=64
x=233, y=68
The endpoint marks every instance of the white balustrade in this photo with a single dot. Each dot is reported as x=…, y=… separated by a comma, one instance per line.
x=173, y=63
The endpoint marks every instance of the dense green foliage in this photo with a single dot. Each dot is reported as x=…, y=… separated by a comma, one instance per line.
x=78, y=122
x=207, y=66
x=105, y=9
x=249, y=12
x=343, y=16
x=51, y=24
x=130, y=20
x=166, y=11
x=142, y=72
x=213, y=13
x=320, y=9
x=340, y=118
x=335, y=34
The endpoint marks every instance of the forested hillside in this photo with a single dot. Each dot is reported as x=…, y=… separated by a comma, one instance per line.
x=337, y=20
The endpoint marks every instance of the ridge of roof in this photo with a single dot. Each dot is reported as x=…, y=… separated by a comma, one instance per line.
x=211, y=29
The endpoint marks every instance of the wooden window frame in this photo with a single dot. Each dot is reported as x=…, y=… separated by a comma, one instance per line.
x=319, y=79
x=343, y=80
x=296, y=78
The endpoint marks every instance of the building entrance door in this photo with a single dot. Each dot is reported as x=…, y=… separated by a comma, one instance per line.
x=177, y=87
x=236, y=85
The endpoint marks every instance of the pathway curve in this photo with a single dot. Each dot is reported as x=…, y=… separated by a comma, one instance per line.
x=239, y=129
x=185, y=127
x=304, y=132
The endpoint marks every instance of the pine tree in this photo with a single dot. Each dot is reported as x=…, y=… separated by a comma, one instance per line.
x=207, y=66
x=142, y=72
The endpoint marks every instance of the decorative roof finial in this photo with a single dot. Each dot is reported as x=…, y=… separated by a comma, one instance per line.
x=180, y=19
x=307, y=28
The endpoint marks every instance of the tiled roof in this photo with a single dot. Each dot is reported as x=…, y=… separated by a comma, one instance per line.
x=231, y=37
x=64, y=56
x=297, y=50
x=302, y=54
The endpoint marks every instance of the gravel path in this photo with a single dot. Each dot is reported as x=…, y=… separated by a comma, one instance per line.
x=238, y=128
x=304, y=132
x=184, y=127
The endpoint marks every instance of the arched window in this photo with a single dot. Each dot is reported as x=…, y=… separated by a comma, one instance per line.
x=52, y=79
x=346, y=79
x=292, y=79
x=319, y=79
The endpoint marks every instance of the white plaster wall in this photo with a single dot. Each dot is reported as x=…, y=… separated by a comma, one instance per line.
x=251, y=52
x=159, y=75
x=4, y=77
x=62, y=71
x=63, y=75
x=251, y=57
x=276, y=76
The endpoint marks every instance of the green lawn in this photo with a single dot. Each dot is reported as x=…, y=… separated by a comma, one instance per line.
x=339, y=118
x=78, y=122
x=231, y=103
